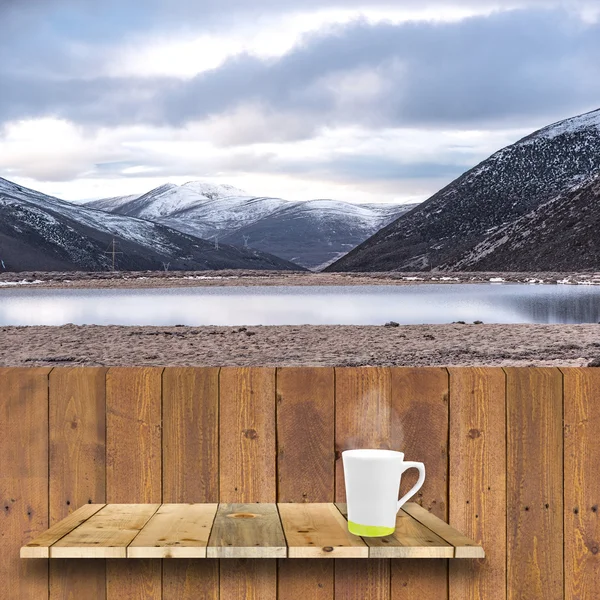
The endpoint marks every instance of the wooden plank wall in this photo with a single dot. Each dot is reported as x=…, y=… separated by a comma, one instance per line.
x=512, y=459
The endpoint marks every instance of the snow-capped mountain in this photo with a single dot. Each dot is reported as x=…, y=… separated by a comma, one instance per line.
x=40, y=232
x=450, y=229
x=311, y=233
x=194, y=199
x=316, y=232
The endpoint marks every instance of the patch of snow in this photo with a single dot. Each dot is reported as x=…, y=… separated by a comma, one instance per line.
x=587, y=121
x=14, y=283
x=212, y=191
x=195, y=277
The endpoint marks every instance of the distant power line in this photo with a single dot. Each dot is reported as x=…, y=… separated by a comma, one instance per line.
x=113, y=252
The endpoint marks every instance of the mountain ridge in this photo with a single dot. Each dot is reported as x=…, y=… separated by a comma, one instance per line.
x=41, y=232
x=443, y=230
x=311, y=233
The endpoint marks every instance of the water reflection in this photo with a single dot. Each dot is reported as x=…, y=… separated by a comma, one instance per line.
x=358, y=305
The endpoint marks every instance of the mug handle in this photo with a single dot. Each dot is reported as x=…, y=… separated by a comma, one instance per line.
x=421, y=468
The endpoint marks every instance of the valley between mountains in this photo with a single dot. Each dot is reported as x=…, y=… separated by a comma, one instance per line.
x=532, y=206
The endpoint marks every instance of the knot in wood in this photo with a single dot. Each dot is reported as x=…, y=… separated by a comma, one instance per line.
x=474, y=433
x=242, y=516
x=327, y=549
x=250, y=434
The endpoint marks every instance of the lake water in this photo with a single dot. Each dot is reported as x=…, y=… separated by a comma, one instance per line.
x=356, y=305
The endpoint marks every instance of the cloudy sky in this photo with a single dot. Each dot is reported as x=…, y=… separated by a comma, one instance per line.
x=360, y=100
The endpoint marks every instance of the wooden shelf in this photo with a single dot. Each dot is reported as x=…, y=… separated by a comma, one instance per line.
x=242, y=531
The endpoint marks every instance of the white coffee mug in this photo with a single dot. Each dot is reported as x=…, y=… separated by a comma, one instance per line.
x=372, y=486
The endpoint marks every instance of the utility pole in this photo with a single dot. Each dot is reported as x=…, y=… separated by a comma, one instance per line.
x=246, y=240
x=113, y=252
x=216, y=242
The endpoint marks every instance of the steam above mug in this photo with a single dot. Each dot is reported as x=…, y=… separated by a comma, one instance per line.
x=372, y=480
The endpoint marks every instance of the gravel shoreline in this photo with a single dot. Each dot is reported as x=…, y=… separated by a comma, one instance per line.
x=409, y=345
x=276, y=278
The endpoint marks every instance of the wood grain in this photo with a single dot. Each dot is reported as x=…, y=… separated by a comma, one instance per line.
x=249, y=578
x=133, y=470
x=411, y=539
x=363, y=419
x=419, y=421
x=247, y=435
x=582, y=484
x=247, y=531
x=294, y=530
x=534, y=484
x=305, y=465
x=77, y=468
x=175, y=531
x=191, y=467
x=357, y=579
x=319, y=586
x=414, y=537
x=533, y=553
x=464, y=547
x=191, y=579
x=478, y=479
x=191, y=434
x=305, y=434
x=247, y=467
x=319, y=531
x=40, y=546
x=23, y=479
x=105, y=534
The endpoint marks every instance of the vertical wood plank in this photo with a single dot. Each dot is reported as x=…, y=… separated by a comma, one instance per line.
x=305, y=578
x=305, y=466
x=23, y=479
x=190, y=578
x=582, y=483
x=190, y=434
x=419, y=420
x=133, y=468
x=247, y=468
x=77, y=469
x=191, y=468
x=360, y=579
x=478, y=479
x=247, y=435
x=363, y=409
x=534, y=483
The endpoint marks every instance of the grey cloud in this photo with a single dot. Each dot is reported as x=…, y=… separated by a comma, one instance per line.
x=514, y=67
x=355, y=167
x=99, y=101
x=227, y=8
x=507, y=66
x=365, y=167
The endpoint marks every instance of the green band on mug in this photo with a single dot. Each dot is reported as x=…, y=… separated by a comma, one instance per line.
x=369, y=530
